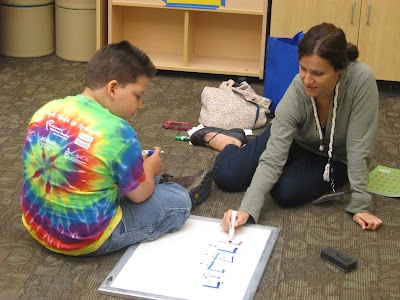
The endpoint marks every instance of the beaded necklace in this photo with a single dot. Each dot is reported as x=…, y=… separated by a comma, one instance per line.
x=328, y=172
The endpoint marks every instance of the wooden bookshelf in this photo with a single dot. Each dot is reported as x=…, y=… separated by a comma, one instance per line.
x=229, y=40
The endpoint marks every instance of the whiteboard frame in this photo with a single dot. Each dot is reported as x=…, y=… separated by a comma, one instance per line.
x=106, y=288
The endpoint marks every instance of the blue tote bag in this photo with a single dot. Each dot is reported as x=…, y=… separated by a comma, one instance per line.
x=281, y=65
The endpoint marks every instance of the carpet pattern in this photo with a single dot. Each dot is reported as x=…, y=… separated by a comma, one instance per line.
x=295, y=270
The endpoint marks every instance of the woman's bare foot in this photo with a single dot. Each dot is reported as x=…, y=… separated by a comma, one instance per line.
x=218, y=141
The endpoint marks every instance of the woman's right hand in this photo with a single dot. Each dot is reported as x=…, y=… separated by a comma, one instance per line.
x=241, y=219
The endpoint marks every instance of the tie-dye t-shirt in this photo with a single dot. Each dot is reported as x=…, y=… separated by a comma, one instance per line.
x=78, y=157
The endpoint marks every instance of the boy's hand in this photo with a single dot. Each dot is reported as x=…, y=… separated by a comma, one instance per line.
x=151, y=167
x=152, y=163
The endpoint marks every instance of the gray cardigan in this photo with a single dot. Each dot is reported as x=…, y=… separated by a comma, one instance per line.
x=354, y=137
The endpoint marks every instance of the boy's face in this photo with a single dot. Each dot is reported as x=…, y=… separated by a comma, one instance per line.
x=128, y=99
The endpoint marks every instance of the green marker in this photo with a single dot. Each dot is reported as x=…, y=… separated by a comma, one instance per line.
x=182, y=138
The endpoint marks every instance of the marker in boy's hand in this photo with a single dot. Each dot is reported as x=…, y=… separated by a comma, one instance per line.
x=149, y=152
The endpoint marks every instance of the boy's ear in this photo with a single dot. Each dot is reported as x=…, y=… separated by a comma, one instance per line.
x=111, y=86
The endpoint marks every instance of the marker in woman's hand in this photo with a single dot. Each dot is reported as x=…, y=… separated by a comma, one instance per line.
x=149, y=152
x=232, y=229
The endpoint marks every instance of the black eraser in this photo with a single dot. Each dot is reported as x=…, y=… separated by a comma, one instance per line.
x=340, y=260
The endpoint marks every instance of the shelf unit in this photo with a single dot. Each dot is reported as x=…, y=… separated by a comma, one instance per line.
x=101, y=23
x=229, y=40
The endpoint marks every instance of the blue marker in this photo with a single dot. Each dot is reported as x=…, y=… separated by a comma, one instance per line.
x=148, y=152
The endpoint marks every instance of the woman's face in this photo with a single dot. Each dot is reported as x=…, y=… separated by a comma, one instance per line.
x=318, y=76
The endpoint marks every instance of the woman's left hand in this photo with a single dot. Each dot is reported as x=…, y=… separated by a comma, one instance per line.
x=367, y=221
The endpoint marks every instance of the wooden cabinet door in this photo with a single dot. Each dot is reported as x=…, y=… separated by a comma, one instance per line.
x=379, y=38
x=291, y=16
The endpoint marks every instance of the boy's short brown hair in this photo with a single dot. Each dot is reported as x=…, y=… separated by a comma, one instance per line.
x=120, y=61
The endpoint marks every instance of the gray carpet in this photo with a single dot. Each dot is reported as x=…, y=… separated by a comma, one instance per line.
x=295, y=270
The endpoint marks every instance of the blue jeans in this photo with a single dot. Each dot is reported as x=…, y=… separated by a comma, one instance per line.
x=300, y=181
x=164, y=211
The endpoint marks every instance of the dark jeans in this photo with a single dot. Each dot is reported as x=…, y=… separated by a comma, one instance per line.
x=300, y=181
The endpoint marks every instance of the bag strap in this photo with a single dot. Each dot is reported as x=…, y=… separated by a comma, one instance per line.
x=251, y=96
x=252, y=102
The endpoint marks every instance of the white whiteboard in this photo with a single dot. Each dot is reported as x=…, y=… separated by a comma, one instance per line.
x=196, y=262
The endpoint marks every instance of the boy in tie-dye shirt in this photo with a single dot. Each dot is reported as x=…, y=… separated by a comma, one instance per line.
x=80, y=154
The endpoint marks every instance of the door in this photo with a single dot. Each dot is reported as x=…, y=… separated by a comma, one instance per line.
x=379, y=38
x=291, y=16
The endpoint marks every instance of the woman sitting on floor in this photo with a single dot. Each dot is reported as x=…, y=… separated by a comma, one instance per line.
x=322, y=136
